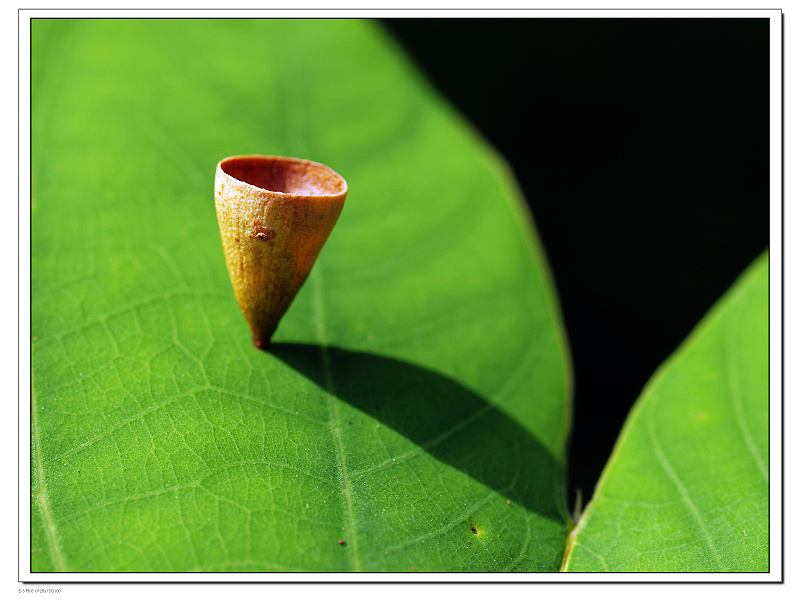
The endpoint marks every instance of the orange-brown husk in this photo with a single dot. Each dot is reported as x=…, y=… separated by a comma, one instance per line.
x=271, y=237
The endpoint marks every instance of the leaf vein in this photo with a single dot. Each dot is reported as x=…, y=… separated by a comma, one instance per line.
x=41, y=495
x=662, y=459
x=731, y=370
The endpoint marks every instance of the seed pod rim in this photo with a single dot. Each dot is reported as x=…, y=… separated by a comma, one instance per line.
x=288, y=159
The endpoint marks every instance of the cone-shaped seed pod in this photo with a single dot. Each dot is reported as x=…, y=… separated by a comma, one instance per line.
x=274, y=216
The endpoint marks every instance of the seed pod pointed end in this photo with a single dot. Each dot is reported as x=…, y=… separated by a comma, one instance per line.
x=274, y=214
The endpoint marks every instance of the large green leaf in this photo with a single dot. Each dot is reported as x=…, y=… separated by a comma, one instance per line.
x=415, y=404
x=686, y=488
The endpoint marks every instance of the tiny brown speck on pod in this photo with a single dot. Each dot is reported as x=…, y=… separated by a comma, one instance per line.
x=275, y=214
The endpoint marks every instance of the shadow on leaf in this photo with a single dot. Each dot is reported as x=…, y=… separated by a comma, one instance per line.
x=445, y=419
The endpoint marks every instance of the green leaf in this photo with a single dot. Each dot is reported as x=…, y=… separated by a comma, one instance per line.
x=415, y=404
x=686, y=488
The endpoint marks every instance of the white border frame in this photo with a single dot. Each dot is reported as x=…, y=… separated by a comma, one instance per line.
x=776, y=306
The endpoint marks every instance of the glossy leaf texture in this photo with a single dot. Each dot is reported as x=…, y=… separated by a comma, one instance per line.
x=413, y=411
x=687, y=486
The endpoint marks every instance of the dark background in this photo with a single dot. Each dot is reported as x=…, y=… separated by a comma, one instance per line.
x=641, y=146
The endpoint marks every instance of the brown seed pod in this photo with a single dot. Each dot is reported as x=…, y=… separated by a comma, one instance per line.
x=274, y=214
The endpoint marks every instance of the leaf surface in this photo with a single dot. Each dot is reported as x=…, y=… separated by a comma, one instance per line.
x=687, y=487
x=413, y=410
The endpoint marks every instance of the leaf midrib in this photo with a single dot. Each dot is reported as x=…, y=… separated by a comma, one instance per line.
x=333, y=408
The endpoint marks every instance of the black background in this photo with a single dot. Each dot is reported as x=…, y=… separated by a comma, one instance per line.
x=641, y=146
